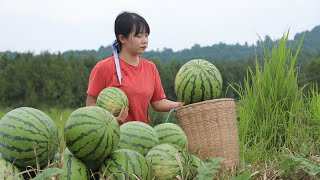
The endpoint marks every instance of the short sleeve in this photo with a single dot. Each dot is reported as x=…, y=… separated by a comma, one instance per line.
x=96, y=81
x=158, y=92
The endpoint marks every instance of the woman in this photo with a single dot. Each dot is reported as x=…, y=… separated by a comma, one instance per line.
x=136, y=76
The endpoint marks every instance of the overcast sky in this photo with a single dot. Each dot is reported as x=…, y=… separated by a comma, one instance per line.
x=61, y=25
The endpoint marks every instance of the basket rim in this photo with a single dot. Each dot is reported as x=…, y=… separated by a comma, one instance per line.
x=205, y=102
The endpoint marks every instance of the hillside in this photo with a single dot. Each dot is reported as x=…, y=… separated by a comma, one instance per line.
x=221, y=51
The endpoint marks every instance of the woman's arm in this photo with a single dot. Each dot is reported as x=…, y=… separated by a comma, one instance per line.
x=91, y=100
x=165, y=105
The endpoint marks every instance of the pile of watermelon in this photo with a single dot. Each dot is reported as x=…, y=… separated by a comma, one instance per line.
x=96, y=146
x=134, y=149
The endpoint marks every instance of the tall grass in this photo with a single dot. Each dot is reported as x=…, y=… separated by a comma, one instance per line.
x=279, y=121
x=270, y=104
x=313, y=116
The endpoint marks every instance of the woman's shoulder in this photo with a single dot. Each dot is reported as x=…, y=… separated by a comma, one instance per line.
x=105, y=63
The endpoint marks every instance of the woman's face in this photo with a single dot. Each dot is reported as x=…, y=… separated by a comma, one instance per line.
x=136, y=44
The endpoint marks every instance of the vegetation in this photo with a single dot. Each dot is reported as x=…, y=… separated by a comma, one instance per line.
x=61, y=79
x=278, y=120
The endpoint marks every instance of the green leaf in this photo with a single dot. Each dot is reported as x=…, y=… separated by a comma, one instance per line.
x=206, y=170
x=243, y=176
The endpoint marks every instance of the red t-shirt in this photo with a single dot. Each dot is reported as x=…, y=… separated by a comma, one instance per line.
x=142, y=84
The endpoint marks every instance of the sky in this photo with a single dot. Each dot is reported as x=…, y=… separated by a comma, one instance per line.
x=62, y=25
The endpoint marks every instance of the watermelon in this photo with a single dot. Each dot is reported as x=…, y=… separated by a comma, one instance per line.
x=196, y=81
x=126, y=162
x=138, y=136
x=24, y=130
x=91, y=134
x=72, y=167
x=171, y=133
x=165, y=164
x=8, y=170
x=112, y=98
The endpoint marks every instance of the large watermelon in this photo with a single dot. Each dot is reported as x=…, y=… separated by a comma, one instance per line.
x=197, y=80
x=8, y=170
x=72, y=167
x=165, y=163
x=171, y=133
x=137, y=136
x=112, y=98
x=126, y=162
x=92, y=133
x=24, y=130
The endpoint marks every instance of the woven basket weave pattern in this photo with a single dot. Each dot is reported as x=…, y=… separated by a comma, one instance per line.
x=212, y=126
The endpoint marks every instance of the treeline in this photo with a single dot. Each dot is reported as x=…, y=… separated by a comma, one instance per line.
x=51, y=80
x=60, y=80
x=44, y=80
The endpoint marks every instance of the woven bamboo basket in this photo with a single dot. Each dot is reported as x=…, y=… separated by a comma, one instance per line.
x=211, y=128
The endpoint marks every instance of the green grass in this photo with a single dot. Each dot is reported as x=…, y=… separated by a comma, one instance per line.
x=271, y=101
x=278, y=120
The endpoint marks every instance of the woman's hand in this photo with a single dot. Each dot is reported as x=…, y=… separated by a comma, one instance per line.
x=122, y=115
x=180, y=104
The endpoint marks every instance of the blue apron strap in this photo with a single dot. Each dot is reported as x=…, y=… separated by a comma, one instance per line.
x=169, y=114
x=114, y=46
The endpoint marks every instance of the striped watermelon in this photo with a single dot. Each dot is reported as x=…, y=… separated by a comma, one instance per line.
x=165, y=164
x=138, y=136
x=8, y=170
x=112, y=98
x=92, y=133
x=197, y=80
x=171, y=133
x=126, y=162
x=24, y=129
x=72, y=167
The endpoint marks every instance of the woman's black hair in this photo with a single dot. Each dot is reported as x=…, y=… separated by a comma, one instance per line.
x=126, y=22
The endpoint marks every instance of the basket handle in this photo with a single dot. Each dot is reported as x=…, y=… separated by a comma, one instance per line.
x=169, y=114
